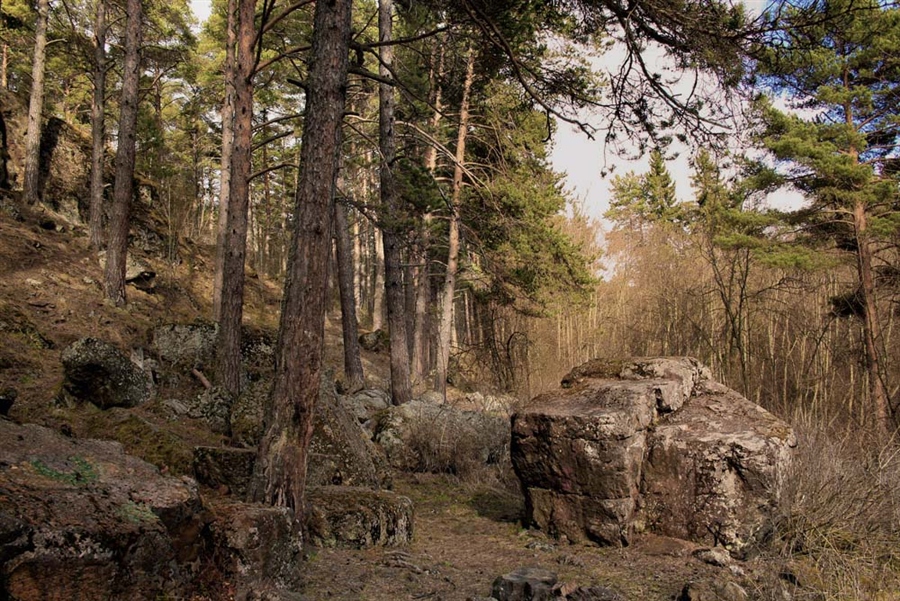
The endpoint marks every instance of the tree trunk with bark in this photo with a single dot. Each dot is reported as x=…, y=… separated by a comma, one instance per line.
x=390, y=206
x=227, y=146
x=353, y=369
x=445, y=333
x=98, y=129
x=123, y=189
x=871, y=325
x=378, y=279
x=31, y=187
x=280, y=476
x=420, y=343
x=231, y=300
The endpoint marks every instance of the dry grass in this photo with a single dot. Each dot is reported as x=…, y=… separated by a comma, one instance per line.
x=839, y=519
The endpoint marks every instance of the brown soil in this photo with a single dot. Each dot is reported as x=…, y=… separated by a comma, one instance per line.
x=467, y=536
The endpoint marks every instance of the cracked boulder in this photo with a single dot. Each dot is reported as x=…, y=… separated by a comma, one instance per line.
x=80, y=519
x=98, y=373
x=649, y=445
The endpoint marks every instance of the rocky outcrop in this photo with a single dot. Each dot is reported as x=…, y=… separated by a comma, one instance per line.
x=648, y=444
x=340, y=451
x=192, y=345
x=341, y=516
x=98, y=373
x=255, y=544
x=80, y=519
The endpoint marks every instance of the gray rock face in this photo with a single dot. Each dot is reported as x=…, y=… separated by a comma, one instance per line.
x=366, y=403
x=341, y=516
x=193, y=345
x=96, y=372
x=256, y=543
x=713, y=468
x=346, y=455
x=184, y=345
x=340, y=451
x=648, y=444
x=80, y=519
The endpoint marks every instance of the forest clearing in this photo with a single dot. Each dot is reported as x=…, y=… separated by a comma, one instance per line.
x=310, y=266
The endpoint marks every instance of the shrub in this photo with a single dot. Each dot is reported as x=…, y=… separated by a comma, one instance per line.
x=839, y=517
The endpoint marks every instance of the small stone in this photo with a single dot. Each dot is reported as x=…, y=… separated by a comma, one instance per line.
x=7, y=398
x=538, y=545
x=34, y=283
x=525, y=584
x=716, y=556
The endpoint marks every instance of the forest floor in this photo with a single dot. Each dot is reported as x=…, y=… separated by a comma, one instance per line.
x=466, y=533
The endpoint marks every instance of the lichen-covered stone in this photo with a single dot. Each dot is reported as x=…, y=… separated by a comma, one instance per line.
x=364, y=404
x=98, y=373
x=80, y=519
x=402, y=428
x=256, y=543
x=184, y=345
x=713, y=469
x=340, y=451
x=648, y=444
x=343, y=516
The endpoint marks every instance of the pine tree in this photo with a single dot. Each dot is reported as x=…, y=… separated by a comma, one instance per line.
x=835, y=59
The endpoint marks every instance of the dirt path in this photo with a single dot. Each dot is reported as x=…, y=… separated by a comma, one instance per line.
x=464, y=539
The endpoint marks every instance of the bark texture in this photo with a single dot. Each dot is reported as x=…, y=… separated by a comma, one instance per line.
x=280, y=477
x=871, y=325
x=98, y=129
x=393, y=274
x=227, y=146
x=123, y=190
x=231, y=300
x=446, y=326
x=353, y=369
x=31, y=190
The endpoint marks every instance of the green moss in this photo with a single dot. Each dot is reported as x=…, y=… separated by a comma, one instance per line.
x=81, y=474
x=152, y=444
x=136, y=513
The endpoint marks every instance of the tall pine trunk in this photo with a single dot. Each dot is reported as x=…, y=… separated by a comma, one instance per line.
x=871, y=324
x=231, y=300
x=31, y=190
x=98, y=129
x=353, y=369
x=280, y=474
x=123, y=189
x=445, y=332
x=423, y=282
x=390, y=206
x=227, y=146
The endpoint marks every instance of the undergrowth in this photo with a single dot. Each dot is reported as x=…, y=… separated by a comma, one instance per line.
x=838, y=523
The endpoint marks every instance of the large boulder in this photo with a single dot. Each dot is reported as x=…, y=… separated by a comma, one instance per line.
x=97, y=372
x=648, y=444
x=80, y=519
x=712, y=469
x=193, y=345
x=353, y=517
x=255, y=544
